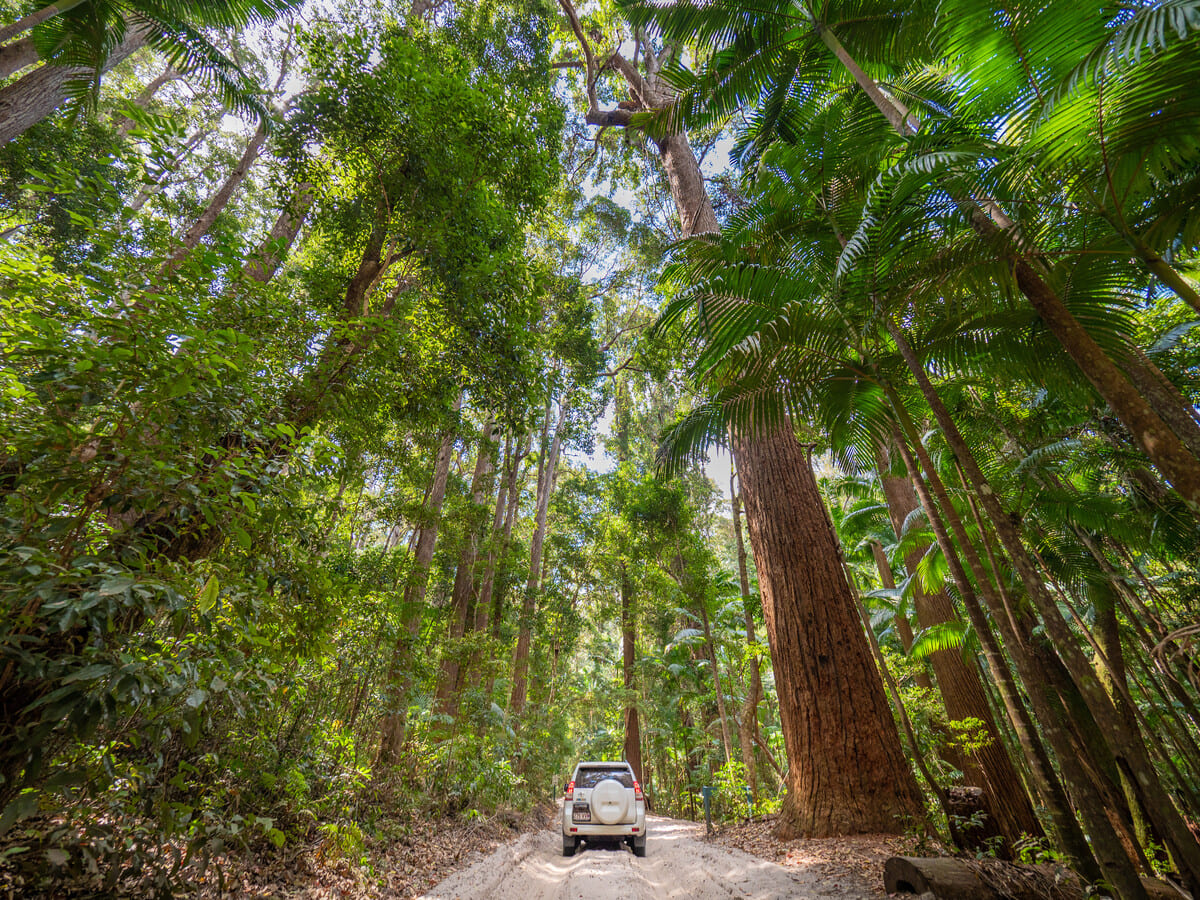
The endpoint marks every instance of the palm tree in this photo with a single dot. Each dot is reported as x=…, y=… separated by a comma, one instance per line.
x=828, y=792
x=774, y=59
x=783, y=336
x=78, y=40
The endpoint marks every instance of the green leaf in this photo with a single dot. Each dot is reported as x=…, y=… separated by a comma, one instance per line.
x=242, y=537
x=116, y=586
x=208, y=594
x=22, y=807
x=89, y=673
x=943, y=636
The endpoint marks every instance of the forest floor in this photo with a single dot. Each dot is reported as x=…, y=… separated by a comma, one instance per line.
x=681, y=861
x=512, y=856
x=405, y=860
x=851, y=860
x=402, y=867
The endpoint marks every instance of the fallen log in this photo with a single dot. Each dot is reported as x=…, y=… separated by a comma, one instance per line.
x=945, y=878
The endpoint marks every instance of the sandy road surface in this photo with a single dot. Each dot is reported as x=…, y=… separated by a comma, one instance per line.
x=678, y=863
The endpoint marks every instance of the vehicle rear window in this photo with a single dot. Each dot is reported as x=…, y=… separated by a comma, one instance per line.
x=589, y=777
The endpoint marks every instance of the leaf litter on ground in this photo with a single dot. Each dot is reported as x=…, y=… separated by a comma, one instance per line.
x=857, y=861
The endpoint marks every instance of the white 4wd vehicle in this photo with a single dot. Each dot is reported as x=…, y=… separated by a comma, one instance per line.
x=604, y=802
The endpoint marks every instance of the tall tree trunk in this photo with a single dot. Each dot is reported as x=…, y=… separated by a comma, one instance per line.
x=510, y=518
x=191, y=238
x=748, y=719
x=962, y=693
x=265, y=261
x=918, y=756
x=462, y=596
x=399, y=679
x=487, y=581
x=32, y=97
x=17, y=56
x=1071, y=839
x=831, y=791
x=142, y=100
x=1114, y=863
x=520, y=686
x=847, y=772
x=711, y=655
x=633, y=731
x=37, y=17
x=844, y=778
x=1127, y=747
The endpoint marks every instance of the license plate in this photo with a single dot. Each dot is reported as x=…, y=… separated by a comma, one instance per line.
x=581, y=814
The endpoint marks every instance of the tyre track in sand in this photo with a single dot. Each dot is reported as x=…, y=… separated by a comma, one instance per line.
x=679, y=863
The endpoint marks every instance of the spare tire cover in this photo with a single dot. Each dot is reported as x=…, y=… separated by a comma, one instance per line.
x=610, y=801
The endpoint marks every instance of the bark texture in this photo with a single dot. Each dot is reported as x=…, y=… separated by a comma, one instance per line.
x=31, y=98
x=847, y=774
x=17, y=56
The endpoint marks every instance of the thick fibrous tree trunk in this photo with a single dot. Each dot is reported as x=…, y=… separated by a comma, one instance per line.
x=17, y=56
x=31, y=98
x=462, y=596
x=633, y=731
x=847, y=772
x=549, y=473
x=962, y=692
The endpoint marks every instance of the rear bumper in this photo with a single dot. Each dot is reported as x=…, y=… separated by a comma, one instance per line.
x=636, y=828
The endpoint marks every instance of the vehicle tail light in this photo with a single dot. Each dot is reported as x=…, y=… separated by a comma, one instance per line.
x=637, y=791
x=571, y=791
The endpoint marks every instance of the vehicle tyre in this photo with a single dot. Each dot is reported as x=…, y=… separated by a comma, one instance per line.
x=570, y=845
x=639, y=846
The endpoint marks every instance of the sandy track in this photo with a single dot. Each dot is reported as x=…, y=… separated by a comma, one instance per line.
x=678, y=863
